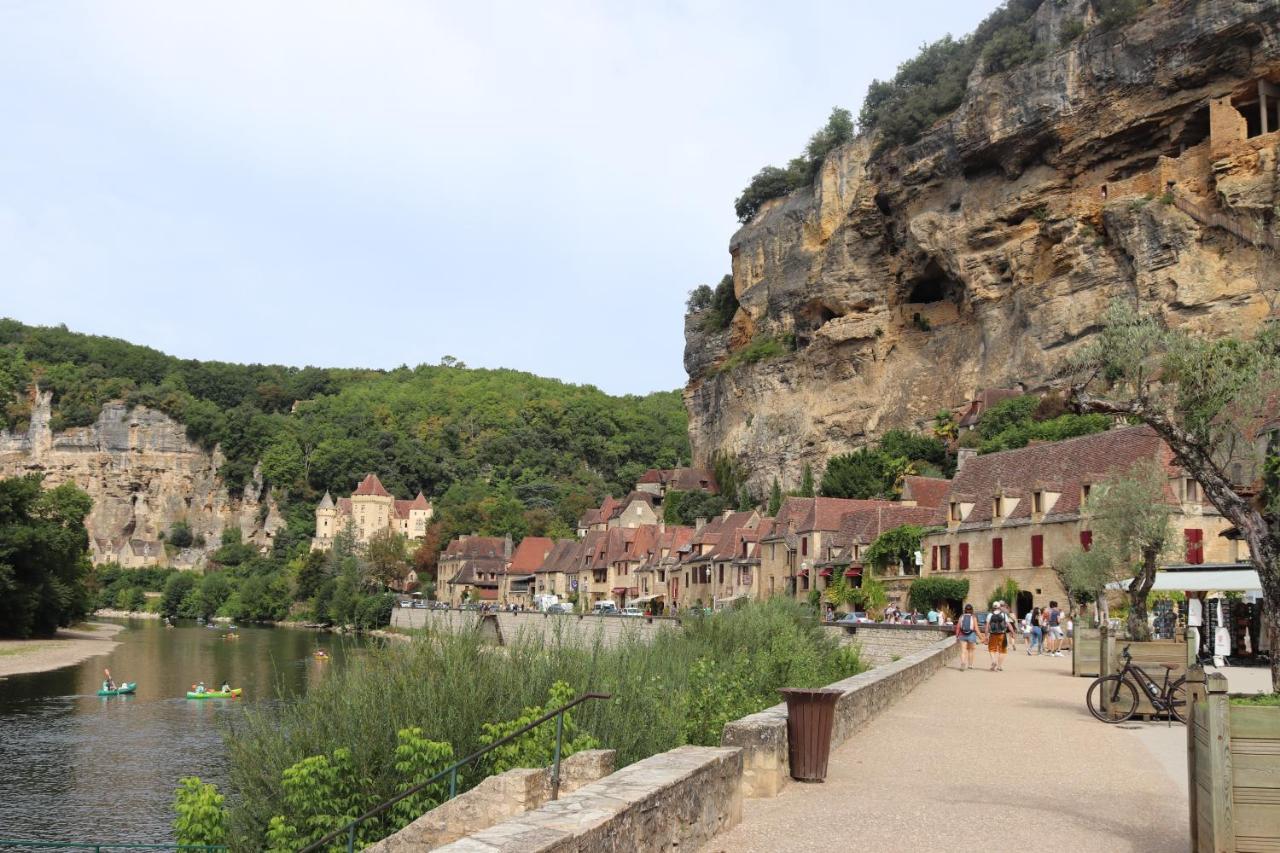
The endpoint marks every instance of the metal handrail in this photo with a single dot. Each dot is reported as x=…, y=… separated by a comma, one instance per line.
x=452, y=771
x=98, y=846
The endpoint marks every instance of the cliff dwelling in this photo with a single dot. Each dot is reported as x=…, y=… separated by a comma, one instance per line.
x=1250, y=113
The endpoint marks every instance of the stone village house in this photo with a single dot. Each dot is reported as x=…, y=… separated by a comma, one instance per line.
x=1012, y=514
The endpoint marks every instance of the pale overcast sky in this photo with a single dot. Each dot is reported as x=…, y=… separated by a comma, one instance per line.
x=526, y=185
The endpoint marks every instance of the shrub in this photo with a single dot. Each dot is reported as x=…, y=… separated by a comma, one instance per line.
x=1070, y=31
x=771, y=182
x=375, y=611
x=759, y=348
x=180, y=535
x=201, y=818
x=721, y=306
x=931, y=593
x=1117, y=13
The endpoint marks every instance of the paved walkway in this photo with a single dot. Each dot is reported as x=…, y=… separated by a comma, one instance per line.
x=1009, y=760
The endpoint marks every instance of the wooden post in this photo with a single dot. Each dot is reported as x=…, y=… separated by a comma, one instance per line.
x=1221, y=779
x=1195, y=693
x=1192, y=652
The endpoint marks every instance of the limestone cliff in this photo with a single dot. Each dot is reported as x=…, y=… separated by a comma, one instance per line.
x=144, y=475
x=1129, y=163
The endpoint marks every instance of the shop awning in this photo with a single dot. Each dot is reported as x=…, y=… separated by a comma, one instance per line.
x=826, y=573
x=1226, y=580
x=645, y=599
x=803, y=573
x=853, y=573
x=619, y=590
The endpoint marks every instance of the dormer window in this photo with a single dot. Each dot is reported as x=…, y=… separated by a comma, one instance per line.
x=1084, y=494
x=1037, y=503
x=995, y=508
x=1191, y=490
x=955, y=511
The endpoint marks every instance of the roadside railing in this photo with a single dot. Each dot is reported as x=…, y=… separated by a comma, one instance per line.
x=451, y=771
x=98, y=846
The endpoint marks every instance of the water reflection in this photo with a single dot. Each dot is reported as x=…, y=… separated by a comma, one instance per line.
x=78, y=766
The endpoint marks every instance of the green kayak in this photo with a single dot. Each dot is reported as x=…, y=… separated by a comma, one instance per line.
x=127, y=687
x=215, y=694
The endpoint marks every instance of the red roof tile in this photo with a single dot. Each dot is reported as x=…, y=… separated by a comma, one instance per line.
x=530, y=554
x=925, y=491
x=371, y=485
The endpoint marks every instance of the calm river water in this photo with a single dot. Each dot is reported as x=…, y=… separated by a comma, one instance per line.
x=75, y=766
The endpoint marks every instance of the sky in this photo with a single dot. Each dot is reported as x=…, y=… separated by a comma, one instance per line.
x=525, y=185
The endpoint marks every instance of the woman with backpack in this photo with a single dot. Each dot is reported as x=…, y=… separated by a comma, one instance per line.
x=967, y=636
x=998, y=634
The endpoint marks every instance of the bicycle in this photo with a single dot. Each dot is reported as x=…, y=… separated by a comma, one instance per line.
x=1114, y=698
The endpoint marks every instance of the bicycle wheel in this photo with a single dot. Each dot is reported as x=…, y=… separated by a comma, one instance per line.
x=1178, y=700
x=1121, y=699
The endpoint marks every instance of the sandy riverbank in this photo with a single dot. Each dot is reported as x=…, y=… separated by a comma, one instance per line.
x=125, y=614
x=69, y=646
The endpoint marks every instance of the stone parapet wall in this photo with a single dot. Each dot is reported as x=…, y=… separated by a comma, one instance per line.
x=881, y=644
x=494, y=800
x=505, y=627
x=679, y=799
x=762, y=737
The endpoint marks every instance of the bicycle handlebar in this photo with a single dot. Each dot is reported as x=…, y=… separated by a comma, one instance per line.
x=1125, y=652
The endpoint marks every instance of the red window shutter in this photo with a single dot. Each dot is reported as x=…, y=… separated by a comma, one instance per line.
x=1195, y=545
x=964, y=556
x=934, y=565
x=997, y=553
x=1086, y=539
x=1037, y=550
x=804, y=546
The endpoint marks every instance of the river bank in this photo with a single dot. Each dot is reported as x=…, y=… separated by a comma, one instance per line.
x=67, y=647
x=109, y=613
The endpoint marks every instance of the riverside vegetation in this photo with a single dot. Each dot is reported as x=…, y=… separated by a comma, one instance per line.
x=307, y=767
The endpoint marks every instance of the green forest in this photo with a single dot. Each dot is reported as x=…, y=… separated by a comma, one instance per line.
x=497, y=451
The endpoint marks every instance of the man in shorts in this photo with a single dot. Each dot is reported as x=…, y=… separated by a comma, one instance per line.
x=1053, y=631
x=998, y=635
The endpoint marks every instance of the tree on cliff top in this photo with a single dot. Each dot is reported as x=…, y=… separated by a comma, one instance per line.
x=44, y=556
x=772, y=182
x=1213, y=401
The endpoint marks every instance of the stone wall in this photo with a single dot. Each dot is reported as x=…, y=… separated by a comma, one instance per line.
x=881, y=644
x=762, y=737
x=679, y=799
x=505, y=628
x=495, y=800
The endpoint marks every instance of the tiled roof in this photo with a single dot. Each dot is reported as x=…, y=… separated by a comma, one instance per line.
x=344, y=506
x=862, y=526
x=825, y=513
x=681, y=479
x=371, y=485
x=530, y=554
x=925, y=491
x=476, y=547
x=1064, y=467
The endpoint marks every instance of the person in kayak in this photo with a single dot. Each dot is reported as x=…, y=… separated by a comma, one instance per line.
x=200, y=688
x=226, y=686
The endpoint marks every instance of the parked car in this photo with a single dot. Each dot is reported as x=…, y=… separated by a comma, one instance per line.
x=605, y=608
x=632, y=611
x=855, y=618
x=421, y=605
x=560, y=607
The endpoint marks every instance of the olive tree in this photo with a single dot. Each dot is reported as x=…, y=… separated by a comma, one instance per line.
x=1132, y=523
x=1214, y=402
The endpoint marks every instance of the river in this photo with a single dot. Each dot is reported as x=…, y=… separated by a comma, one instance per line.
x=79, y=767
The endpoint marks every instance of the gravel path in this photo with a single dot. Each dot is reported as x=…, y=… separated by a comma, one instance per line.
x=980, y=758
x=67, y=647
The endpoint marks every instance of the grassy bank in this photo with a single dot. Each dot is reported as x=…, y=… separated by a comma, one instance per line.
x=680, y=688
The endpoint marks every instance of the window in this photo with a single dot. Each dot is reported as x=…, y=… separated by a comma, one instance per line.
x=934, y=559
x=804, y=546
x=997, y=553
x=1195, y=545
x=721, y=573
x=1037, y=503
x=944, y=557
x=1191, y=490
x=955, y=511
x=995, y=508
x=1086, y=539
x=1037, y=550
x=964, y=556
x=1084, y=495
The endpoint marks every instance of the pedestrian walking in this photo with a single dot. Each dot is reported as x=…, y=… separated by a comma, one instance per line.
x=967, y=636
x=1053, y=636
x=998, y=635
x=1036, y=643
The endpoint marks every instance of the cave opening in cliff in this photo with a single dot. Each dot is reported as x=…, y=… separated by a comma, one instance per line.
x=1191, y=133
x=934, y=285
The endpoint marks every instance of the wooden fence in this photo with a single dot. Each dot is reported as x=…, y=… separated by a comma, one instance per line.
x=1233, y=769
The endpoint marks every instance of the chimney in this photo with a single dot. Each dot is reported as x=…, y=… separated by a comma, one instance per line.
x=699, y=522
x=963, y=455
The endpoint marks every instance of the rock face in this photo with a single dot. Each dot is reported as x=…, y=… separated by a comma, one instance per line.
x=144, y=475
x=983, y=254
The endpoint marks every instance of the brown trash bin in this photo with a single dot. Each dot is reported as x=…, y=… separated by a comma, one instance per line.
x=810, y=716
